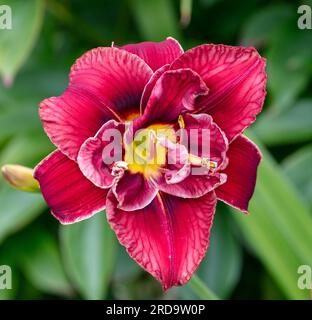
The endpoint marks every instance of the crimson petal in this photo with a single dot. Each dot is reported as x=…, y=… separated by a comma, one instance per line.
x=156, y=54
x=115, y=76
x=193, y=186
x=71, y=118
x=134, y=192
x=236, y=79
x=204, y=138
x=200, y=179
x=95, y=159
x=244, y=158
x=169, y=237
x=70, y=195
x=173, y=94
x=150, y=85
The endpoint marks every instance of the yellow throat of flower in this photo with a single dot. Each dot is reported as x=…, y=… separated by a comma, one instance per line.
x=145, y=154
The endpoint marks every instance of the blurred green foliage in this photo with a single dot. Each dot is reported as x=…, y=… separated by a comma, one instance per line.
x=251, y=257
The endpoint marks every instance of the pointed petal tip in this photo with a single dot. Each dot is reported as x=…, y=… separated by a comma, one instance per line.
x=244, y=158
x=168, y=238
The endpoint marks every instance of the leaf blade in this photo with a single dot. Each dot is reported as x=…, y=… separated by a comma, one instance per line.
x=88, y=249
x=16, y=44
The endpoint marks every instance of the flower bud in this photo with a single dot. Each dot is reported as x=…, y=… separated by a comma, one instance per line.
x=20, y=177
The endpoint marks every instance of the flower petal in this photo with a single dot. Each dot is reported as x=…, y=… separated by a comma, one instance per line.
x=182, y=179
x=174, y=93
x=150, y=85
x=236, y=80
x=115, y=76
x=169, y=237
x=71, y=118
x=156, y=54
x=134, y=192
x=95, y=158
x=204, y=138
x=177, y=166
x=244, y=157
x=193, y=186
x=70, y=195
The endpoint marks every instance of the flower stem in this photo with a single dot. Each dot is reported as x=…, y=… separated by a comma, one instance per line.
x=199, y=287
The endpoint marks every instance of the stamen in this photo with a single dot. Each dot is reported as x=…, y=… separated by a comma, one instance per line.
x=119, y=168
x=181, y=122
x=205, y=162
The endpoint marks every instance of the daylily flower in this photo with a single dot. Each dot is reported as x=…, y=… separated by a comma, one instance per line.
x=161, y=212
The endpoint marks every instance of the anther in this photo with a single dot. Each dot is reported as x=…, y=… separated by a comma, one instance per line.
x=181, y=122
x=119, y=168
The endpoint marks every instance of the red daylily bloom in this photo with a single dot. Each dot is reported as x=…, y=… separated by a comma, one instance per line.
x=161, y=212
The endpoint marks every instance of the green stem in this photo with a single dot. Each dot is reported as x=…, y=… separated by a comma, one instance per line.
x=199, y=287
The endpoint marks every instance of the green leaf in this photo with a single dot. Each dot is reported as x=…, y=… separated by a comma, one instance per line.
x=42, y=265
x=8, y=258
x=221, y=267
x=126, y=268
x=17, y=43
x=298, y=169
x=202, y=291
x=10, y=294
x=156, y=20
x=261, y=27
x=7, y=294
x=291, y=126
x=289, y=65
x=19, y=103
x=26, y=150
x=209, y=3
x=279, y=227
x=18, y=209
x=17, y=121
x=88, y=249
x=269, y=289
